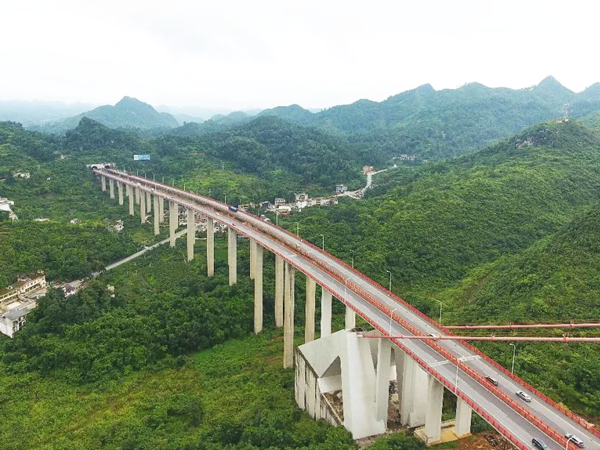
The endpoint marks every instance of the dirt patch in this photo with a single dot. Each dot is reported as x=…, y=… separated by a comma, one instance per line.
x=484, y=441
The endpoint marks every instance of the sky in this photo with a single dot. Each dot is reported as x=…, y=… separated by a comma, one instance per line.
x=259, y=54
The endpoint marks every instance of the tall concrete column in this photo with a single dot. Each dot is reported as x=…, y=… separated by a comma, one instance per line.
x=258, y=290
x=120, y=191
x=413, y=393
x=252, y=258
x=433, y=419
x=309, y=326
x=288, y=317
x=143, y=208
x=156, y=224
x=161, y=210
x=173, y=221
x=382, y=382
x=350, y=318
x=325, y=312
x=464, y=412
x=279, y=291
x=232, y=255
x=148, y=201
x=111, y=187
x=137, y=196
x=131, y=208
x=210, y=247
x=191, y=233
x=103, y=179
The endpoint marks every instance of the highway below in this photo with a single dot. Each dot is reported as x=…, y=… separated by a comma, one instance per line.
x=499, y=405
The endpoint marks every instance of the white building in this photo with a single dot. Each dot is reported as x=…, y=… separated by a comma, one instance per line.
x=16, y=301
x=301, y=201
x=340, y=188
x=279, y=202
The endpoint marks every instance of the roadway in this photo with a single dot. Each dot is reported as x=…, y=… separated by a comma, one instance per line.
x=310, y=260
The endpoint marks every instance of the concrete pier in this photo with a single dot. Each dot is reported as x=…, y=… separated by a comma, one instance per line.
x=103, y=178
x=131, y=199
x=279, y=291
x=325, y=312
x=210, y=247
x=232, y=255
x=120, y=192
x=288, y=316
x=143, y=208
x=156, y=218
x=382, y=381
x=191, y=233
x=252, y=258
x=309, y=325
x=350, y=318
x=148, y=201
x=463, y=419
x=137, y=196
x=111, y=187
x=173, y=221
x=433, y=418
x=258, y=290
x=161, y=210
x=413, y=393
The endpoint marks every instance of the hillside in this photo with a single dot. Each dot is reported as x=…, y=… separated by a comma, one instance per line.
x=432, y=124
x=431, y=225
x=127, y=113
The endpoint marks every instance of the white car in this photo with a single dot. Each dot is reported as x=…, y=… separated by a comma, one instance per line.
x=524, y=396
x=574, y=439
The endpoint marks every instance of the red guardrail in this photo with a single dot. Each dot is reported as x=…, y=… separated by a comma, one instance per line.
x=531, y=417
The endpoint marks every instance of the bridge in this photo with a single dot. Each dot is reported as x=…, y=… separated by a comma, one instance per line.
x=425, y=368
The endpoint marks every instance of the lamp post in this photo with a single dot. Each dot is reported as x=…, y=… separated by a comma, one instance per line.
x=390, y=288
x=144, y=174
x=441, y=304
x=225, y=198
x=390, y=325
x=353, y=258
x=154, y=177
x=322, y=242
x=297, y=229
x=277, y=218
x=512, y=370
x=163, y=179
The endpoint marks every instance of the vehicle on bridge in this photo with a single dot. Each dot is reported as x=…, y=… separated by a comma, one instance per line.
x=539, y=444
x=524, y=396
x=575, y=440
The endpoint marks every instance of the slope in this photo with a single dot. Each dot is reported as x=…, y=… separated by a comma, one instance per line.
x=127, y=113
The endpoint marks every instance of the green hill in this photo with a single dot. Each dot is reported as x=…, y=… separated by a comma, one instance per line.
x=127, y=113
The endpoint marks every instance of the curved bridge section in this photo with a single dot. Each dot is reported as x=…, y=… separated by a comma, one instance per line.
x=455, y=365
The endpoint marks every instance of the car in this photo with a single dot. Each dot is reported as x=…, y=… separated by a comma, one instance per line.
x=491, y=380
x=575, y=440
x=233, y=209
x=524, y=396
x=539, y=444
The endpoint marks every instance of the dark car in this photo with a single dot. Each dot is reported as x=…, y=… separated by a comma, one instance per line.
x=233, y=209
x=539, y=444
x=574, y=439
x=492, y=380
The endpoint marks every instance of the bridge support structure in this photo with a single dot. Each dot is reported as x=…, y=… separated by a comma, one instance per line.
x=120, y=192
x=210, y=247
x=309, y=324
x=433, y=416
x=143, y=208
x=173, y=222
x=161, y=210
x=288, y=316
x=191, y=232
x=252, y=258
x=232, y=255
x=148, y=201
x=156, y=218
x=279, y=287
x=350, y=319
x=326, y=300
x=131, y=199
x=111, y=188
x=103, y=179
x=137, y=196
x=258, y=289
x=462, y=426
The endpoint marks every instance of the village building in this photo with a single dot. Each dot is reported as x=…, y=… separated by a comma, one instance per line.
x=17, y=300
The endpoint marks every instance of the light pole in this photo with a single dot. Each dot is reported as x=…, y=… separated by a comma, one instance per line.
x=322, y=242
x=390, y=289
x=297, y=229
x=441, y=304
x=353, y=258
x=390, y=325
x=163, y=180
x=512, y=370
x=277, y=218
x=225, y=198
x=137, y=172
x=144, y=174
x=154, y=177
x=184, y=186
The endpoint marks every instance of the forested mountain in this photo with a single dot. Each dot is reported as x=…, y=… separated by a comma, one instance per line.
x=432, y=124
x=127, y=113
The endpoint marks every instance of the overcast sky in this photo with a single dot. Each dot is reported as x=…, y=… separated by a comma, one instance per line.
x=258, y=54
